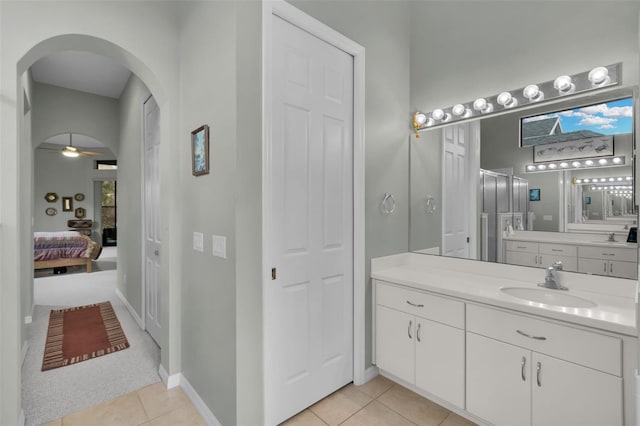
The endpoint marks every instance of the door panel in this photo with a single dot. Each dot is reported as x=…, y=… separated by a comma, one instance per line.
x=152, y=242
x=309, y=304
x=455, y=226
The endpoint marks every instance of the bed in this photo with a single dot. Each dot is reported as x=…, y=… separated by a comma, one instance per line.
x=64, y=248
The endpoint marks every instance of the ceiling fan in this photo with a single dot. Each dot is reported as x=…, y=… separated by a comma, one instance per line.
x=71, y=151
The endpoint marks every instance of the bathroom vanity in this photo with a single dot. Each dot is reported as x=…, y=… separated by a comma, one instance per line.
x=485, y=341
x=579, y=252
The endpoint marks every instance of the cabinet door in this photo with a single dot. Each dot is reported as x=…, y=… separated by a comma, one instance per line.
x=498, y=381
x=567, y=394
x=395, y=349
x=623, y=269
x=593, y=266
x=522, y=259
x=440, y=360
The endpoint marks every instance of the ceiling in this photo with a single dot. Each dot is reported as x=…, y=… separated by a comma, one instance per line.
x=83, y=71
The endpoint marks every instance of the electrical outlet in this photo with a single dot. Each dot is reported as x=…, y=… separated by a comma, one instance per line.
x=219, y=244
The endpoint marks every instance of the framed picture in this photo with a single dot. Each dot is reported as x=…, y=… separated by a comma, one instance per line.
x=200, y=151
x=534, y=194
x=51, y=211
x=601, y=146
x=51, y=197
x=79, y=196
x=80, y=213
x=67, y=204
x=587, y=200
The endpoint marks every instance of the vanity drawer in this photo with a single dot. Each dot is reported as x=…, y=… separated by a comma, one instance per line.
x=523, y=246
x=609, y=253
x=558, y=249
x=592, y=350
x=435, y=308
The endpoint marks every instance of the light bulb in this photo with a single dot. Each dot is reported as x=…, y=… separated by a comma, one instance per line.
x=586, y=180
x=482, y=105
x=603, y=180
x=564, y=165
x=460, y=110
x=531, y=167
x=603, y=161
x=542, y=167
x=507, y=100
x=564, y=85
x=533, y=93
x=599, y=76
x=419, y=118
x=589, y=163
x=576, y=164
x=611, y=179
x=437, y=114
x=617, y=160
x=579, y=180
x=552, y=166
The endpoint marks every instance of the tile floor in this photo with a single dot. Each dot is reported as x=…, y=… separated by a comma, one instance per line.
x=380, y=402
x=153, y=405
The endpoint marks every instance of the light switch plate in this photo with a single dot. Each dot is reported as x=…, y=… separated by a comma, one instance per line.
x=198, y=241
x=219, y=244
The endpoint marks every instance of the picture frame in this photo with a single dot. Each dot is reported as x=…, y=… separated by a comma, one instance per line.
x=80, y=213
x=67, y=204
x=200, y=151
x=575, y=149
x=51, y=211
x=534, y=194
x=51, y=197
x=587, y=200
x=79, y=196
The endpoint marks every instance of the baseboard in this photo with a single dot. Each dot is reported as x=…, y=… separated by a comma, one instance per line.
x=132, y=311
x=29, y=318
x=169, y=381
x=25, y=348
x=207, y=415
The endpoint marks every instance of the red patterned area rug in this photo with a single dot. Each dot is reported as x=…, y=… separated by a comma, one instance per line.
x=81, y=333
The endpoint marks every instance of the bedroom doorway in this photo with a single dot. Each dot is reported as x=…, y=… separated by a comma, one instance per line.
x=108, y=213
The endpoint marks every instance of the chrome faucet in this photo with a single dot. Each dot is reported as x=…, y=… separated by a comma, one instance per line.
x=612, y=237
x=551, y=277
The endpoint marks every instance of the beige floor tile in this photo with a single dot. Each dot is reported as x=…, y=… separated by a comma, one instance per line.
x=305, y=418
x=455, y=420
x=376, y=386
x=157, y=400
x=123, y=411
x=54, y=423
x=412, y=406
x=340, y=405
x=183, y=416
x=376, y=414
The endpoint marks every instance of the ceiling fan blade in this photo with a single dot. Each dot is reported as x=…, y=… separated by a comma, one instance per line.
x=46, y=148
x=82, y=152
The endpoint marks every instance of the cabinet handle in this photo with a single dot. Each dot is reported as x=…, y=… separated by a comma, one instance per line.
x=418, y=332
x=611, y=268
x=420, y=305
x=558, y=250
x=608, y=254
x=522, y=333
x=520, y=247
x=538, y=370
x=541, y=260
x=605, y=267
x=409, y=330
x=523, y=364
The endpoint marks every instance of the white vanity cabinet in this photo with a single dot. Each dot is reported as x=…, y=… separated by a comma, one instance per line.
x=609, y=261
x=420, y=340
x=526, y=371
x=541, y=255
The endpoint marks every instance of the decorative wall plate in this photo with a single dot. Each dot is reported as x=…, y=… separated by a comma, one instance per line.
x=80, y=213
x=51, y=211
x=79, y=196
x=51, y=197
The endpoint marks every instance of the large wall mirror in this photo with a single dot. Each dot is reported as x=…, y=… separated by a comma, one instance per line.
x=531, y=191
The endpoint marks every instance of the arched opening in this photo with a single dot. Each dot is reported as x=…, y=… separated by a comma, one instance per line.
x=125, y=146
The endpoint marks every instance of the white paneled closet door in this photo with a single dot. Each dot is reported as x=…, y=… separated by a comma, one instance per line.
x=152, y=243
x=309, y=297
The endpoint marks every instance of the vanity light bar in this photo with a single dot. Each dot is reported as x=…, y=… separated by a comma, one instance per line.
x=596, y=78
x=584, y=163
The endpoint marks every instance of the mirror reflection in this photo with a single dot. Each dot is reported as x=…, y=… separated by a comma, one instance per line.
x=477, y=193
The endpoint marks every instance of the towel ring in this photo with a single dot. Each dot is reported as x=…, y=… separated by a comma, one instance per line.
x=388, y=205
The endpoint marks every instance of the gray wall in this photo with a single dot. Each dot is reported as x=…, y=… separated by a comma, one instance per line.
x=383, y=28
x=208, y=96
x=129, y=192
x=58, y=110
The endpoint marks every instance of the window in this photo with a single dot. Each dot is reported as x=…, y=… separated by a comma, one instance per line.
x=107, y=164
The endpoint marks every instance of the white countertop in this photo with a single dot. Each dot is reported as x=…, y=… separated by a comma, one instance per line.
x=594, y=240
x=615, y=299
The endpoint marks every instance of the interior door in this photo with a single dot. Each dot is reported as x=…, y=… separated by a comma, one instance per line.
x=309, y=295
x=455, y=192
x=152, y=243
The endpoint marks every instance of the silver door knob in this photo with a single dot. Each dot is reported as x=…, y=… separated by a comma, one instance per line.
x=157, y=252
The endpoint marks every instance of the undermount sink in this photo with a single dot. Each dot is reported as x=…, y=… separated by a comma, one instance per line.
x=548, y=297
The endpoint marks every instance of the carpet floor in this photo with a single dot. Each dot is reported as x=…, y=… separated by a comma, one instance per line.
x=50, y=395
